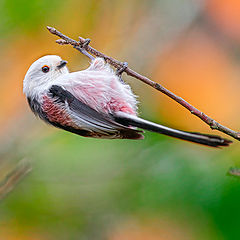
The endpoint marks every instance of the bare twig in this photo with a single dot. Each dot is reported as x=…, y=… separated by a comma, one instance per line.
x=117, y=64
x=234, y=171
x=11, y=180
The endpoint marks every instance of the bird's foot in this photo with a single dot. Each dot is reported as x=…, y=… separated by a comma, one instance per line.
x=121, y=70
x=86, y=43
x=82, y=49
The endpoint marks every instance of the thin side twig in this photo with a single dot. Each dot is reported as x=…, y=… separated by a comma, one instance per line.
x=234, y=171
x=117, y=64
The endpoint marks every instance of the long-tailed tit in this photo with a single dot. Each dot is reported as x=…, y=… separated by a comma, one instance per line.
x=93, y=103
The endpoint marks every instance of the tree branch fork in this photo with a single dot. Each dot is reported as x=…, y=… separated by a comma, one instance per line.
x=117, y=64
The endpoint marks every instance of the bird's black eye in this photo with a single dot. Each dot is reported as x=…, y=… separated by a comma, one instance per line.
x=45, y=69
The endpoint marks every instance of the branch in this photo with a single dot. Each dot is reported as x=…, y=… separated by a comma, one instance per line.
x=234, y=171
x=117, y=64
x=14, y=177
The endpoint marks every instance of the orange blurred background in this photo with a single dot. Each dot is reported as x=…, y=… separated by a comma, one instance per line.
x=158, y=188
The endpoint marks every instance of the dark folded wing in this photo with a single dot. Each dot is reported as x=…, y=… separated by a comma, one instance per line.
x=87, y=121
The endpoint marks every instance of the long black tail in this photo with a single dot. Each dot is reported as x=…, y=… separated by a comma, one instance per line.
x=205, y=139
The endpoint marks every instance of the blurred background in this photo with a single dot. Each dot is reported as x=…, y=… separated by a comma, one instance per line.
x=157, y=188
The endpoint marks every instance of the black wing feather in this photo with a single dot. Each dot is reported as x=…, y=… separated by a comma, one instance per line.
x=101, y=120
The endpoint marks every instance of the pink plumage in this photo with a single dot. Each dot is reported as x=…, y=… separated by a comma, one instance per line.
x=55, y=112
x=100, y=88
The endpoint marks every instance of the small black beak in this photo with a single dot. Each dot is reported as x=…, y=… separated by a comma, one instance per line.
x=62, y=64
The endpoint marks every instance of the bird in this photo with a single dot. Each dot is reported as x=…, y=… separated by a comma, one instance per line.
x=94, y=102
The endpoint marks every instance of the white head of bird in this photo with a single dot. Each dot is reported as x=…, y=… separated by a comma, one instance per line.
x=42, y=72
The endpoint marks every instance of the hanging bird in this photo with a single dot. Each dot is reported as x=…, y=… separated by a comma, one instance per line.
x=93, y=103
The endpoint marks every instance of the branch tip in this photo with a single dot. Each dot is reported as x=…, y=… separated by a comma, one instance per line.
x=50, y=29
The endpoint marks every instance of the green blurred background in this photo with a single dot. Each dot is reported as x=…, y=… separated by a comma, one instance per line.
x=157, y=188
